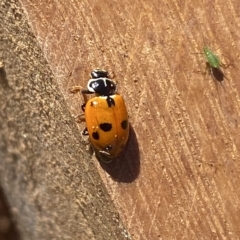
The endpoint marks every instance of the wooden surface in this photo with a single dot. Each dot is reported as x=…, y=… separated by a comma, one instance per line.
x=179, y=176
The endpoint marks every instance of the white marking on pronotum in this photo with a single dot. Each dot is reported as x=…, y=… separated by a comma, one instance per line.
x=104, y=97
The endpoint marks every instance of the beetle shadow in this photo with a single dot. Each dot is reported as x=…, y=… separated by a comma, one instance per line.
x=126, y=167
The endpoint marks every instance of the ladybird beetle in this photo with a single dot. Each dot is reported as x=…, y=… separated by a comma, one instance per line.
x=105, y=115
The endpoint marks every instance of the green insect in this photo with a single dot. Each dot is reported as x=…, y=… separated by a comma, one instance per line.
x=214, y=65
x=211, y=58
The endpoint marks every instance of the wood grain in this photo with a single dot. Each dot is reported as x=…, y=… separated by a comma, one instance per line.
x=178, y=178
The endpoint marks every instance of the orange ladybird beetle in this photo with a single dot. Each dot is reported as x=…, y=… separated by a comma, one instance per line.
x=105, y=115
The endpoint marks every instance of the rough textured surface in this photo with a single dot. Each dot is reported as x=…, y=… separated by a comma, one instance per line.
x=54, y=193
x=178, y=178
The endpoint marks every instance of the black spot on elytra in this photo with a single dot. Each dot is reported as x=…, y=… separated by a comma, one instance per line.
x=124, y=124
x=95, y=135
x=106, y=127
x=110, y=101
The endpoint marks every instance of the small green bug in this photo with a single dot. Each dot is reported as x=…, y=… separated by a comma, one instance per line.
x=211, y=58
x=213, y=64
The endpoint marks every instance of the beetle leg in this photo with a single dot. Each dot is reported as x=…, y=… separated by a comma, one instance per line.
x=85, y=132
x=83, y=107
x=75, y=89
x=80, y=118
x=85, y=92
